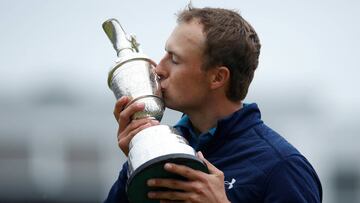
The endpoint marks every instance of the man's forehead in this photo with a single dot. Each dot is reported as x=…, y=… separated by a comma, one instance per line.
x=186, y=33
x=170, y=48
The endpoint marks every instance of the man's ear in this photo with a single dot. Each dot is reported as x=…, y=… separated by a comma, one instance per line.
x=219, y=77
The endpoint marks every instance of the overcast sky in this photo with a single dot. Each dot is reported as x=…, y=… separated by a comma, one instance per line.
x=305, y=44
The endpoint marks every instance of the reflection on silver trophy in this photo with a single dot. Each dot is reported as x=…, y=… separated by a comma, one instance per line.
x=133, y=76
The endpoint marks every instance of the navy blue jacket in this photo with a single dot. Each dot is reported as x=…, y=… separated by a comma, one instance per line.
x=259, y=165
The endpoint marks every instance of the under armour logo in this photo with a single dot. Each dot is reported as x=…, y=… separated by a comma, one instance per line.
x=230, y=184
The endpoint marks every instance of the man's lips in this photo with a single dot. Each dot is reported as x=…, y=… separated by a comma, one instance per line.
x=162, y=86
x=163, y=91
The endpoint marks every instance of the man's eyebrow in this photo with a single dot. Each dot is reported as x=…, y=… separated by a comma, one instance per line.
x=168, y=51
x=171, y=52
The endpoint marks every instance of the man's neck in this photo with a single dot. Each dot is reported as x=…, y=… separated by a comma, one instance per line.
x=206, y=118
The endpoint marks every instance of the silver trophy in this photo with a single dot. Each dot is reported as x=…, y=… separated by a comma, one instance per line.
x=133, y=75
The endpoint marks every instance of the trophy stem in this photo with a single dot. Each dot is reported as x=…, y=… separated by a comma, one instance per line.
x=118, y=38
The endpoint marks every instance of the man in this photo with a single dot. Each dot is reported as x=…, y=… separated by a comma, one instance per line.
x=209, y=64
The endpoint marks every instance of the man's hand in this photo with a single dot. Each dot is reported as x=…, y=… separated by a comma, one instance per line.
x=128, y=128
x=200, y=186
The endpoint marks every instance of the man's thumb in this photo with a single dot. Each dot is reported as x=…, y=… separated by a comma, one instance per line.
x=212, y=168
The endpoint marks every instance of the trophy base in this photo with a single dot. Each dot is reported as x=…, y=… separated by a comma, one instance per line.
x=137, y=188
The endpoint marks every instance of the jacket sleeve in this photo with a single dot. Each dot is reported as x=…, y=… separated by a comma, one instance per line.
x=118, y=193
x=293, y=180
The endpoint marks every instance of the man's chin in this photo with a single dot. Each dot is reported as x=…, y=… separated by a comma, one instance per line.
x=169, y=105
x=166, y=103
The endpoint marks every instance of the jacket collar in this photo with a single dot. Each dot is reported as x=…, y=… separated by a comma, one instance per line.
x=246, y=117
x=239, y=121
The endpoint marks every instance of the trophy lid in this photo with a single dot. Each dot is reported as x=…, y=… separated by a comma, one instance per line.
x=123, y=44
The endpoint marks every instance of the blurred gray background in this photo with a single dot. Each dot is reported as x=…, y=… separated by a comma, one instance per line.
x=57, y=131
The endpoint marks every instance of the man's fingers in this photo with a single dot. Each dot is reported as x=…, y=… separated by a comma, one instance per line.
x=200, y=155
x=135, y=128
x=184, y=171
x=134, y=124
x=125, y=115
x=168, y=196
x=124, y=142
x=120, y=105
x=170, y=183
x=212, y=168
x=131, y=130
x=171, y=201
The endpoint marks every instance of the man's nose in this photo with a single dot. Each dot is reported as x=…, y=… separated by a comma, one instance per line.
x=160, y=70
